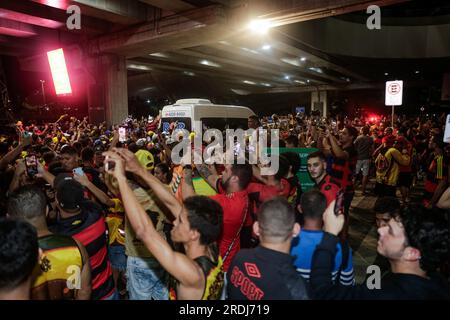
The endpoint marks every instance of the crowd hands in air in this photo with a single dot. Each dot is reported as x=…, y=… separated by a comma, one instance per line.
x=131, y=224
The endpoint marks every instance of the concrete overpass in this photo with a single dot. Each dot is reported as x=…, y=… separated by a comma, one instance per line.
x=135, y=42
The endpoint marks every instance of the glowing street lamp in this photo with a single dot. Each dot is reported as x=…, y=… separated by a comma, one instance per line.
x=259, y=26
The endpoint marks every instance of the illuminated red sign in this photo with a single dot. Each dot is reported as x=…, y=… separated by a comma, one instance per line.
x=59, y=71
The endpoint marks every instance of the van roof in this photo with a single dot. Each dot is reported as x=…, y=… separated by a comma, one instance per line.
x=205, y=102
x=193, y=101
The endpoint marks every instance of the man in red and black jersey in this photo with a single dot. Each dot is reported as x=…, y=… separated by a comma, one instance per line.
x=84, y=221
x=317, y=169
x=344, y=165
x=258, y=193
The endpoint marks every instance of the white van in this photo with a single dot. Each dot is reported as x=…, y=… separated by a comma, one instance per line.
x=187, y=111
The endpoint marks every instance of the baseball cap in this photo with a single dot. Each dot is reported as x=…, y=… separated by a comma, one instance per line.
x=145, y=158
x=69, y=192
x=141, y=142
x=99, y=148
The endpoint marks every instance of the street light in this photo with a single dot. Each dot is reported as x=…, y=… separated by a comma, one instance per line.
x=259, y=26
x=43, y=91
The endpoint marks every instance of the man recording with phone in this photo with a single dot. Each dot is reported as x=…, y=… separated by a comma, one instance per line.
x=344, y=164
x=70, y=164
x=415, y=241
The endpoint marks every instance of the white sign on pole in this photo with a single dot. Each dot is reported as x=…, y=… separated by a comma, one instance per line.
x=447, y=130
x=394, y=93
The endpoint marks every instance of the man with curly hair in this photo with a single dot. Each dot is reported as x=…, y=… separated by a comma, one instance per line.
x=416, y=241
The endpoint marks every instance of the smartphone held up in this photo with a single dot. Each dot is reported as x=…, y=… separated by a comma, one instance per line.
x=109, y=164
x=78, y=171
x=122, y=134
x=339, y=204
x=31, y=164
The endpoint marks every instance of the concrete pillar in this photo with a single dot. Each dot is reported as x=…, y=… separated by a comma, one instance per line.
x=319, y=102
x=116, y=90
x=106, y=80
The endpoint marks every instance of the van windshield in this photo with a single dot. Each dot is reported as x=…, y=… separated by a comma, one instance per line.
x=181, y=123
x=224, y=123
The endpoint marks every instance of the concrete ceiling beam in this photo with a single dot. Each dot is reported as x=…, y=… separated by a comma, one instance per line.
x=286, y=12
x=16, y=29
x=208, y=25
x=30, y=19
x=170, y=5
x=198, y=70
x=117, y=11
x=274, y=62
x=166, y=34
x=252, y=67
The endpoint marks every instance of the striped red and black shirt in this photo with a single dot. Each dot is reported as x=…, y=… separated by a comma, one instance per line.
x=89, y=227
x=343, y=170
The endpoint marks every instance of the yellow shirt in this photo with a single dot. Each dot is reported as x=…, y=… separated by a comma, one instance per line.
x=390, y=176
x=114, y=220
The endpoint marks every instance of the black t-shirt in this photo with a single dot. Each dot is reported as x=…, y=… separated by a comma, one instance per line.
x=264, y=274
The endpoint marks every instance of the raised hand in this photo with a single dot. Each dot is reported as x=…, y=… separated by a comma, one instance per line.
x=114, y=164
x=132, y=164
x=82, y=179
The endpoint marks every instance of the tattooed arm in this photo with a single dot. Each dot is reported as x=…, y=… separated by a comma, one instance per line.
x=209, y=174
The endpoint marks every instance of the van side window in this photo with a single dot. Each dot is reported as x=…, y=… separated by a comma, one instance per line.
x=222, y=124
x=214, y=123
x=181, y=123
x=237, y=123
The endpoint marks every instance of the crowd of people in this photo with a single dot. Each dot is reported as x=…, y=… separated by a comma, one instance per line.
x=87, y=214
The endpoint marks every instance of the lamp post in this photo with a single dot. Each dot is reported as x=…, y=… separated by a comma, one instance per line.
x=43, y=91
x=43, y=95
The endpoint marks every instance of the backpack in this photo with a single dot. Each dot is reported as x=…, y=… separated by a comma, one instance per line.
x=383, y=165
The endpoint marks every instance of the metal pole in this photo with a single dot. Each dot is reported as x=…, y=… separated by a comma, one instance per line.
x=392, y=120
x=43, y=91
